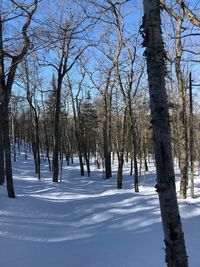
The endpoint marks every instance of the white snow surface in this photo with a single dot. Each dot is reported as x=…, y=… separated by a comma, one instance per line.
x=86, y=221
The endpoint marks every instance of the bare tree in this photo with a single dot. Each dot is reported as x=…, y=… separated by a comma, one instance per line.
x=10, y=57
x=176, y=255
x=191, y=127
x=31, y=81
x=76, y=116
x=65, y=35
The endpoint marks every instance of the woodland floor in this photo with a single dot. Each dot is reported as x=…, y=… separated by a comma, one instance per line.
x=87, y=222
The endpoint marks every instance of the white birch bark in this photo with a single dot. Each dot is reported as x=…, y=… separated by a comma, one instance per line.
x=173, y=235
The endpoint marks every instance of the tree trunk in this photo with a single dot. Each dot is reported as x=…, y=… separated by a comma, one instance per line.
x=136, y=180
x=87, y=159
x=37, y=145
x=191, y=125
x=81, y=163
x=131, y=171
x=57, y=134
x=183, y=133
x=134, y=141
x=47, y=145
x=6, y=140
x=34, y=151
x=19, y=146
x=2, y=170
x=120, y=170
x=106, y=138
x=107, y=153
x=120, y=152
x=13, y=138
x=2, y=89
x=176, y=255
x=77, y=127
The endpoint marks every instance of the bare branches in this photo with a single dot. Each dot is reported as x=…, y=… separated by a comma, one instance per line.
x=169, y=10
x=190, y=15
x=26, y=42
x=24, y=31
x=186, y=11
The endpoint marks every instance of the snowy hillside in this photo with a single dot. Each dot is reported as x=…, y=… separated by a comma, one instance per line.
x=86, y=222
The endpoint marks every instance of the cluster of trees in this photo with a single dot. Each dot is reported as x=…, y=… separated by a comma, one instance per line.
x=72, y=81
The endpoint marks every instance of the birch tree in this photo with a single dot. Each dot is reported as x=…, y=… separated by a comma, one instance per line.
x=175, y=250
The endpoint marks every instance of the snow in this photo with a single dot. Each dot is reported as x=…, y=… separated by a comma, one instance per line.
x=87, y=222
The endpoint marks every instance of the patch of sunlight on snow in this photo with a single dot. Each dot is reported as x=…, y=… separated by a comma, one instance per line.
x=128, y=211
x=69, y=196
x=95, y=219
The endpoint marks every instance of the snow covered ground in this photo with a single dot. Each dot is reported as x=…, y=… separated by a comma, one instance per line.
x=86, y=222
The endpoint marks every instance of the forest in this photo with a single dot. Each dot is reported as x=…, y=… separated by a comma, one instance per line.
x=99, y=133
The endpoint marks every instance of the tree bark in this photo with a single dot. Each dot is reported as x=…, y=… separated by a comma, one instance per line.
x=136, y=180
x=2, y=172
x=191, y=125
x=120, y=170
x=56, y=148
x=106, y=139
x=120, y=150
x=176, y=255
x=37, y=144
x=183, y=133
x=6, y=140
x=47, y=145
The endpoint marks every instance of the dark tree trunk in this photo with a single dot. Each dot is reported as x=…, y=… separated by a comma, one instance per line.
x=131, y=171
x=37, y=146
x=57, y=133
x=176, y=255
x=87, y=160
x=88, y=166
x=19, y=146
x=67, y=158
x=120, y=170
x=120, y=152
x=136, y=180
x=191, y=125
x=81, y=163
x=107, y=160
x=146, y=165
x=106, y=143
x=2, y=170
x=6, y=140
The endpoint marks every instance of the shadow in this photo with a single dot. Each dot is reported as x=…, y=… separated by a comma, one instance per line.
x=86, y=221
